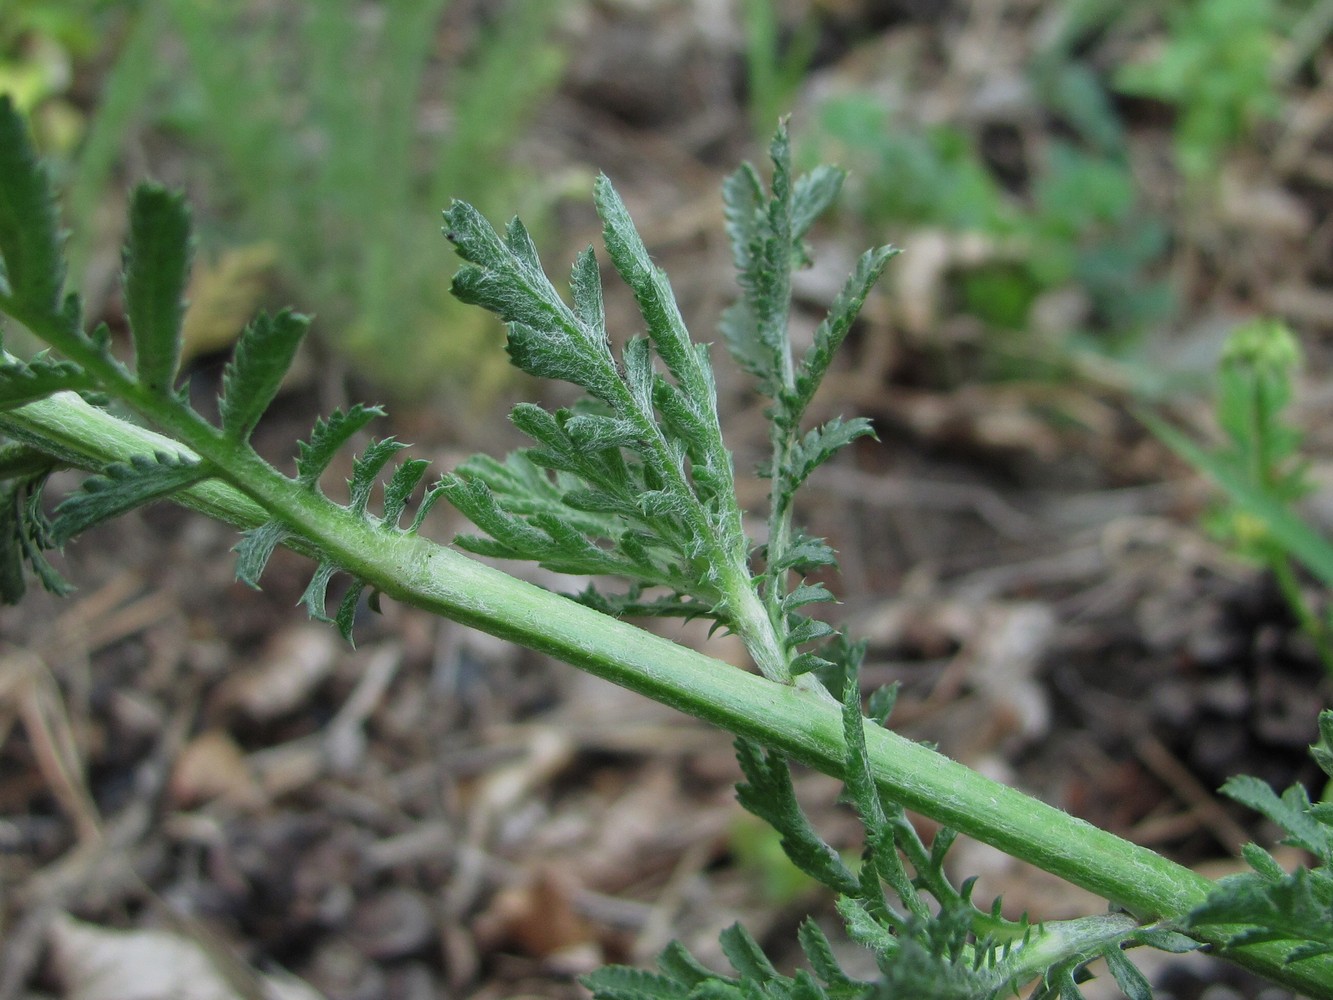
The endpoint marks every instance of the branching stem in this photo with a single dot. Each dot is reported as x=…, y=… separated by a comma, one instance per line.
x=787, y=718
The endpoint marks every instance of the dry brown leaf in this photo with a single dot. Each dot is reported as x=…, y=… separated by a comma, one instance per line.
x=213, y=767
x=538, y=918
x=287, y=672
x=94, y=963
x=224, y=295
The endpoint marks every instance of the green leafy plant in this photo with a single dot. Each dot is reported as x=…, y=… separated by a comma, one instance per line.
x=341, y=180
x=1269, y=903
x=637, y=482
x=1217, y=67
x=1260, y=469
x=1079, y=226
x=776, y=61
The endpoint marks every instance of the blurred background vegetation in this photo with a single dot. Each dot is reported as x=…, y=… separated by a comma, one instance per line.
x=318, y=141
x=1062, y=210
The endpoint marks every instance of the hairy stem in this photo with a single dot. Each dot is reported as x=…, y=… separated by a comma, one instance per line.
x=792, y=720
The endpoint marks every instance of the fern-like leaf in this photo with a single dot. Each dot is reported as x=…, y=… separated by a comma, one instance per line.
x=1292, y=811
x=345, y=617
x=833, y=330
x=315, y=595
x=12, y=573
x=1268, y=903
x=619, y=982
x=256, y=548
x=366, y=470
x=157, y=267
x=398, y=490
x=25, y=382
x=254, y=374
x=123, y=487
x=25, y=537
x=1127, y=976
x=34, y=269
x=330, y=434
x=767, y=792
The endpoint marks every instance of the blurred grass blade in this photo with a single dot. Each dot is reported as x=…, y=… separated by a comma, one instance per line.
x=1287, y=528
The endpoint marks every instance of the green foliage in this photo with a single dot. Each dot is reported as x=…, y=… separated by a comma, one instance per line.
x=347, y=194
x=776, y=60
x=935, y=943
x=22, y=383
x=1217, y=68
x=1080, y=225
x=33, y=274
x=25, y=532
x=253, y=376
x=1260, y=469
x=1268, y=903
x=636, y=476
x=156, y=270
x=157, y=266
x=336, y=171
x=636, y=481
x=122, y=488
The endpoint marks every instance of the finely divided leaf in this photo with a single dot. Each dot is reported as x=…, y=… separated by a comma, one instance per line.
x=805, y=554
x=124, y=486
x=1296, y=910
x=830, y=333
x=367, y=468
x=619, y=982
x=638, y=361
x=656, y=301
x=1322, y=752
x=24, y=462
x=683, y=967
x=24, y=382
x=819, y=953
x=255, y=549
x=802, y=630
x=585, y=284
x=25, y=536
x=767, y=792
x=812, y=195
x=328, y=436
x=432, y=497
x=1291, y=812
x=157, y=267
x=315, y=596
x=399, y=489
x=12, y=583
x=806, y=593
x=37, y=537
x=34, y=270
x=821, y=444
x=857, y=776
x=544, y=352
x=254, y=375
x=345, y=617
x=1131, y=981
x=506, y=278
x=745, y=955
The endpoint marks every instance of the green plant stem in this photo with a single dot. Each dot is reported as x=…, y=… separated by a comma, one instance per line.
x=1310, y=624
x=794, y=721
